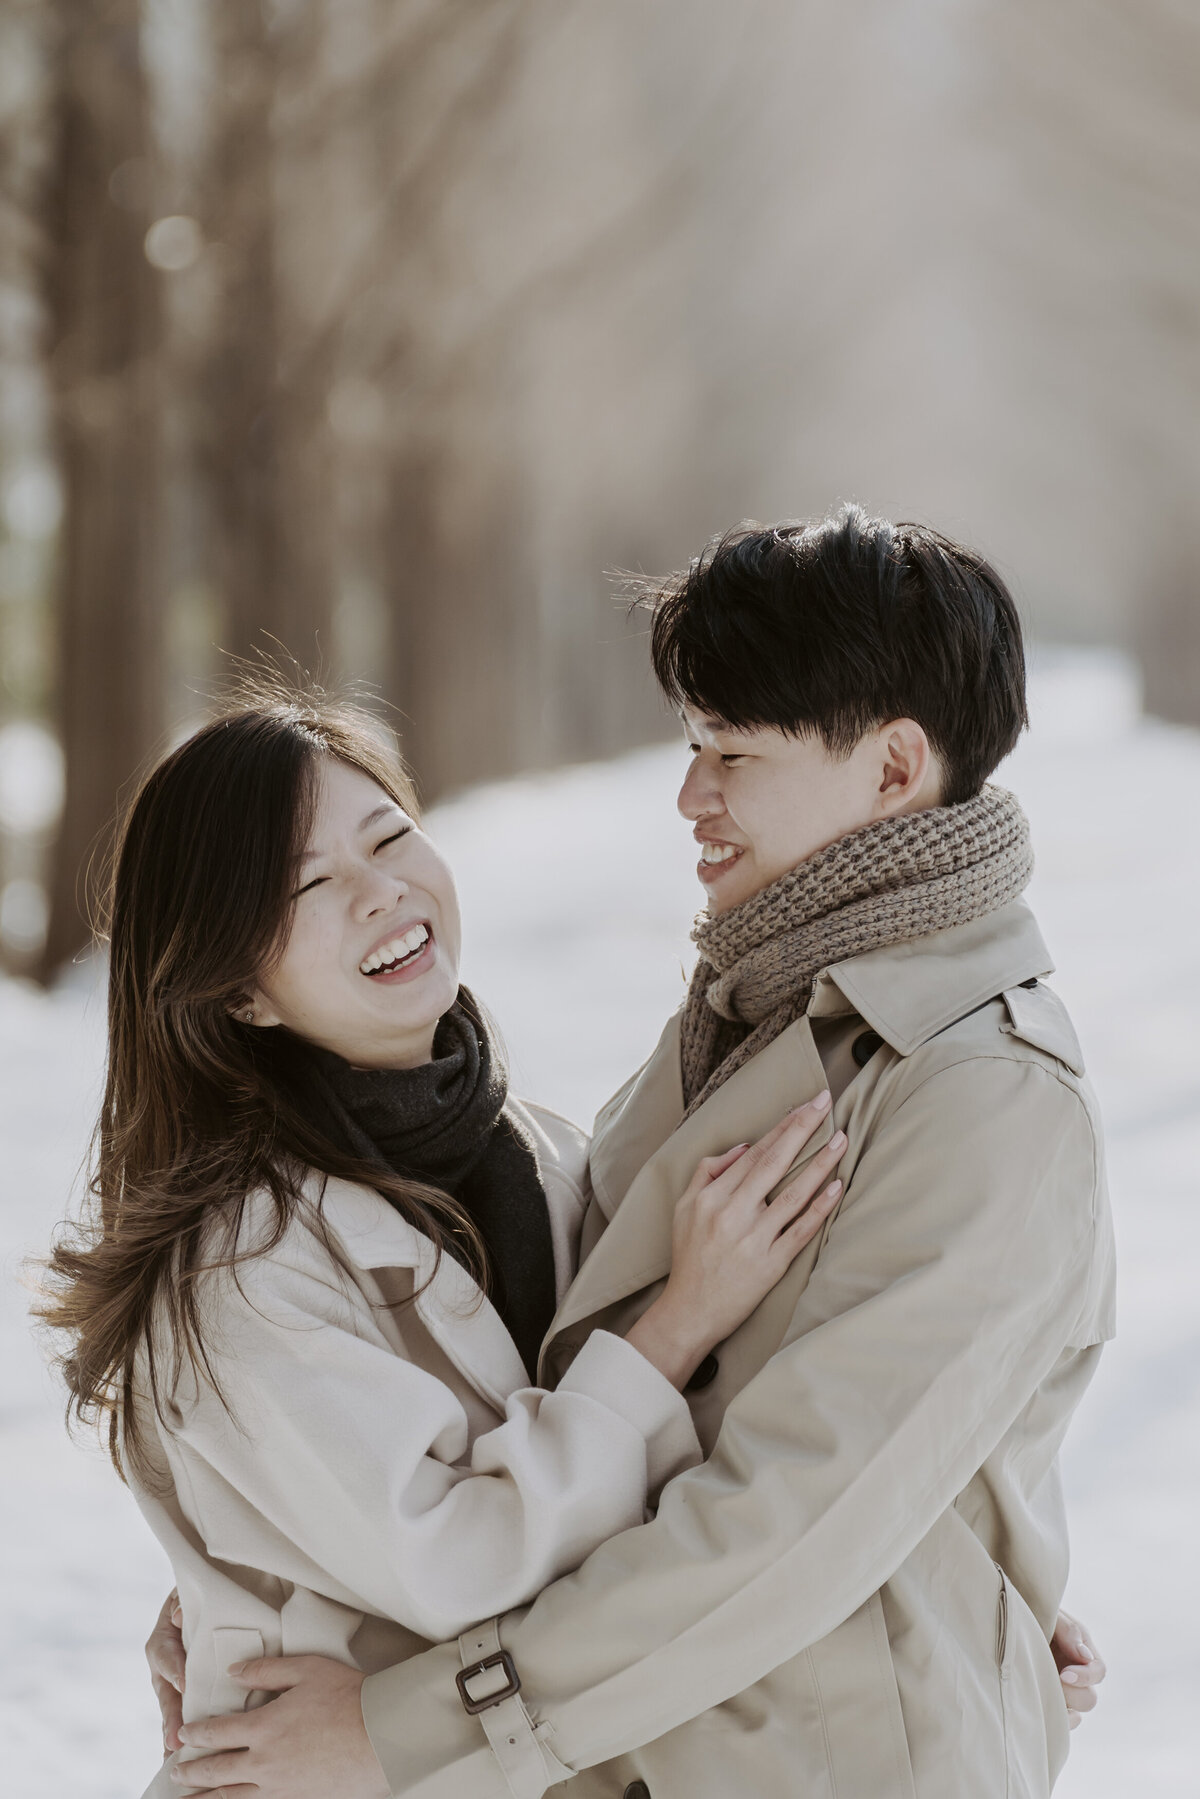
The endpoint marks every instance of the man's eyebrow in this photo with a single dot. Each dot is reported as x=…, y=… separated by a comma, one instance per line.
x=368, y=821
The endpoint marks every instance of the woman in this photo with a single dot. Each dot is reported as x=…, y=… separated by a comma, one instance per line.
x=328, y=1243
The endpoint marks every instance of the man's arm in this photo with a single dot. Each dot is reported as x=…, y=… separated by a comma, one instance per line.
x=951, y=1282
x=312, y=1741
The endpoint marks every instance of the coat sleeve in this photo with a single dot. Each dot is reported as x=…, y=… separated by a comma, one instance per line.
x=951, y=1282
x=360, y=1466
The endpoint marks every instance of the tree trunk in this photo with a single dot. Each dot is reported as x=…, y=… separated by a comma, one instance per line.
x=264, y=442
x=104, y=309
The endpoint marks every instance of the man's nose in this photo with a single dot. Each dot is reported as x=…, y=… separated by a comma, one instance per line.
x=700, y=793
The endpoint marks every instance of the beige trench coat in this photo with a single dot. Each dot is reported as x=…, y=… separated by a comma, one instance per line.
x=851, y=1598
x=385, y=1470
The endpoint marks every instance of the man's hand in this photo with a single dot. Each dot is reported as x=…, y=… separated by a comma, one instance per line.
x=1080, y=1666
x=307, y=1743
x=165, y=1654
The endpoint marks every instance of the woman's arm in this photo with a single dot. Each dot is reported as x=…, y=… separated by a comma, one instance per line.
x=362, y=1462
x=355, y=1466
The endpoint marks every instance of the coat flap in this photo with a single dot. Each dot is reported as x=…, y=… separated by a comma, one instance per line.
x=373, y=1233
x=635, y=1250
x=1037, y=1016
x=910, y=991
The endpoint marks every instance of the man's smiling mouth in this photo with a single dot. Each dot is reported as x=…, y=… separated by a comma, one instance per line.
x=715, y=853
x=397, y=952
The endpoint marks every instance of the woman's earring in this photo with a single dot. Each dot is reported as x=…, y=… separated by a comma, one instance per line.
x=248, y=1015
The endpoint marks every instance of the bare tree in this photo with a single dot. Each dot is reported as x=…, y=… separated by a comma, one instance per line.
x=104, y=312
x=263, y=433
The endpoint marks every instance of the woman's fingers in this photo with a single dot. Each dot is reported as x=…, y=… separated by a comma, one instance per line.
x=765, y=1163
x=715, y=1166
x=813, y=1176
x=810, y=1216
x=800, y=1190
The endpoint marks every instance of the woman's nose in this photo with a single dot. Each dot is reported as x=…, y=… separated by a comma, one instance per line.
x=379, y=891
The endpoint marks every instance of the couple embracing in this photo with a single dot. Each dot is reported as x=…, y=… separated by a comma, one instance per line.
x=714, y=1456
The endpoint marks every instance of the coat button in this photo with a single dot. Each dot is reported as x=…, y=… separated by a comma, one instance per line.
x=864, y=1047
x=704, y=1376
x=637, y=1789
x=1031, y=982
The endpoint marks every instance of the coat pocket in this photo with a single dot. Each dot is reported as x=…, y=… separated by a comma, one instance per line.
x=231, y=1645
x=1032, y=1708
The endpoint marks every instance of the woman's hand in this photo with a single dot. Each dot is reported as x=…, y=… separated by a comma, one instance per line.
x=1080, y=1666
x=730, y=1247
x=168, y=1662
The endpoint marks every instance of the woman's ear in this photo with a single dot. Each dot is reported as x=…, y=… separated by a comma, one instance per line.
x=910, y=774
x=253, y=1010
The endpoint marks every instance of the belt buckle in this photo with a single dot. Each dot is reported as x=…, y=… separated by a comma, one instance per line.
x=512, y=1687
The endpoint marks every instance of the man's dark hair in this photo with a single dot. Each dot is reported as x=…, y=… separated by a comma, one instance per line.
x=836, y=627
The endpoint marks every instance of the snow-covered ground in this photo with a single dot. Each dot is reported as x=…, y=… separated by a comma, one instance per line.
x=578, y=891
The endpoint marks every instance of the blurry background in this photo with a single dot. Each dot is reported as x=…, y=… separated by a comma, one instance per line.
x=380, y=329
x=376, y=331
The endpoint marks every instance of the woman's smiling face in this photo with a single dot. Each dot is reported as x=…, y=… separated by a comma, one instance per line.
x=371, y=960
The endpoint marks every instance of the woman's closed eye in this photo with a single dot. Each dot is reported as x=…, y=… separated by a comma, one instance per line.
x=308, y=887
x=394, y=838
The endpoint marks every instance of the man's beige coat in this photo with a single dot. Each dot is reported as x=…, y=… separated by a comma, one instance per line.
x=384, y=1470
x=851, y=1598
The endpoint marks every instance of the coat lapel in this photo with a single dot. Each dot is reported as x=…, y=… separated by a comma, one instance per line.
x=637, y=1121
x=461, y=1319
x=635, y=1250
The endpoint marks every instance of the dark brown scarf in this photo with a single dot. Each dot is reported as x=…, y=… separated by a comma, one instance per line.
x=448, y=1123
x=904, y=878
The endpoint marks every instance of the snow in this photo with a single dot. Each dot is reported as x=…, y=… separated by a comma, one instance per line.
x=578, y=892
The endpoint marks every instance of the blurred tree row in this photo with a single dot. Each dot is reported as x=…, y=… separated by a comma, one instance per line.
x=375, y=331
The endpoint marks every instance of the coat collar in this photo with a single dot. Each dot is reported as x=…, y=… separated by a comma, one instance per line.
x=644, y=1151
x=911, y=991
x=460, y=1318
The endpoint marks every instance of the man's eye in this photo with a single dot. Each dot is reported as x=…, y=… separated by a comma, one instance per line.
x=394, y=838
x=731, y=758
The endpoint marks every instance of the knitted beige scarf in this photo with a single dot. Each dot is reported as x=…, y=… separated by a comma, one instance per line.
x=904, y=878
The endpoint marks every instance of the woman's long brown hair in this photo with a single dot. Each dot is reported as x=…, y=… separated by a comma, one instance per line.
x=198, y=1109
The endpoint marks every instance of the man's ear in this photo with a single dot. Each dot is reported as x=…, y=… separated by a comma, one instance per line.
x=909, y=772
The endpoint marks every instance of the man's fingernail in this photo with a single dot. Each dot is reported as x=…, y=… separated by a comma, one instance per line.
x=237, y=1667
x=821, y=1101
x=1071, y=1676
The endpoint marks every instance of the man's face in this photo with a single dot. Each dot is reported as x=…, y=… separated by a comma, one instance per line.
x=761, y=801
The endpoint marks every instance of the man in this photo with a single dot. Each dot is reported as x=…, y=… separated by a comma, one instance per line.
x=854, y=1593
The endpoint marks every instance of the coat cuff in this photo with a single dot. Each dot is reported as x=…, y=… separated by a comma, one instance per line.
x=426, y=1744
x=616, y=1375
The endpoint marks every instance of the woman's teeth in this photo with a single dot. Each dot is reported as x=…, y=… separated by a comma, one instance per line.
x=719, y=852
x=399, y=950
